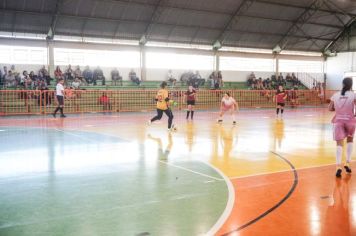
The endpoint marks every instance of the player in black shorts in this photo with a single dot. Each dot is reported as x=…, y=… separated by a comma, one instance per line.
x=190, y=94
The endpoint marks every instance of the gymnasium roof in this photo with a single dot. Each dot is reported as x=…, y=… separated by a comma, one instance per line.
x=292, y=24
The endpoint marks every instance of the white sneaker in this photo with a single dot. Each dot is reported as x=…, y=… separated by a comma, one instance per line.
x=149, y=122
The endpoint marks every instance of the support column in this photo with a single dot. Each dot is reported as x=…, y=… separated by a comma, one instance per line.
x=50, y=58
x=143, y=62
x=277, y=65
x=216, y=61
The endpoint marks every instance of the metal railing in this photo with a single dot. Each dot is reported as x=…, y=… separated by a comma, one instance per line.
x=14, y=102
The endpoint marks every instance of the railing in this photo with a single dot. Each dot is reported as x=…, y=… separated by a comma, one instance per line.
x=311, y=80
x=13, y=102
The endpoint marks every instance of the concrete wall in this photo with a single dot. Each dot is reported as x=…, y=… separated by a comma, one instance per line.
x=337, y=66
x=151, y=74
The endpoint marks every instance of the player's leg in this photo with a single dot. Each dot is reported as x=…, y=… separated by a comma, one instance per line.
x=339, y=136
x=157, y=117
x=169, y=113
x=350, y=130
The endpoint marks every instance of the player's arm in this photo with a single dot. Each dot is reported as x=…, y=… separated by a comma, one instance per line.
x=331, y=106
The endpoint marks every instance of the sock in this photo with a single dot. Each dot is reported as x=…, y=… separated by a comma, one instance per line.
x=191, y=114
x=233, y=117
x=188, y=114
x=57, y=109
x=338, y=155
x=277, y=111
x=348, y=152
x=282, y=111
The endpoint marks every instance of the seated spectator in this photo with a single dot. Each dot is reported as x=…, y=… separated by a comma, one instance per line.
x=16, y=74
x=88, y=75
x=58, y=74
x=40, y=82
x=186, y=77
x=33, y=76
x=10, y=80
x=115, y=77
x=45, y=74
x=26, y=81
x=105, y=101
x=295, y=80
x=250, y=80
x=266, y=83
x=170, y=78
x=76, y=83
x=292, y=95
x=78, y=73
x=259, y=85
x=69, y=92
x=288, y=78
x=134, y=78
x=69, y=75
x=196, y=81
x=98, y=75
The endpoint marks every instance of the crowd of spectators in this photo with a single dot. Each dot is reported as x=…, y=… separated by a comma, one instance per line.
x=273, y=82
x=194, y=79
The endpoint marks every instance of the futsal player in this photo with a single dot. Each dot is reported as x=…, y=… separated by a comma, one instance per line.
x=60, y=98
x=343, y=103
x=162, y=100
x=191, y=95
x=228, y=104
x=280, y=99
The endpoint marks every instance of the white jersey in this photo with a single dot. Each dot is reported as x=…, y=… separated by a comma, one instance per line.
x=228, y=102
x=344, y=106
x=59, y=90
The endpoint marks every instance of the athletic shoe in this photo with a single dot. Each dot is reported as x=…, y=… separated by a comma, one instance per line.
x=220, y=121
x=54, y=115
x=338, y=173
x=63, y=116
x=348, y=170
x=149, y=122
x=234, y=122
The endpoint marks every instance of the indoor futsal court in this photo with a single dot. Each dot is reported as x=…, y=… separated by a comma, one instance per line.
x=177, y=117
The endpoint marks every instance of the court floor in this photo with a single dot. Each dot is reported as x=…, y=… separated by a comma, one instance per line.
x=111, y=174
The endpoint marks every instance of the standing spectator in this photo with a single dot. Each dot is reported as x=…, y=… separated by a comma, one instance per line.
x=16, y=74
x=220, y=79
x=45, y=74
x=115, y=77
x=10, y=80
x=213, y=79
x=88, y=75
x=134, y=78
x=58, y=74
x=69, y=74
x=170, y=78
x=78, y=73
x=98, y=75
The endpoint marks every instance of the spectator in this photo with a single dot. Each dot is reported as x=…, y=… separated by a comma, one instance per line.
x=115, y=77
x=88, y=75
x=295, y=80
x=26, y=81
x=77, y=73
x=186, y=77
x=41, y=82
x=10, y=80
x=134, y=78
x=58, y=74
x=76, y=83
x=69, y=92
x=1, y=77
x=213, y=78
x=69, y=74
x=33, y=76
x=98, y=75
x=16, y=74
x=220, y=79
x=196, y=80
x=259, y=85
x=170, y=78
x=46, y=99
x=250, y=80
x=105, y=102
x=45, y=74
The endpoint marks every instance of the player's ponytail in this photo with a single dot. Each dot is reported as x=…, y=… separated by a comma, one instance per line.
x=346, y=85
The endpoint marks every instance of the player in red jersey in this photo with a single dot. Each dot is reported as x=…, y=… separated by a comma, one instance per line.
x=280, y=99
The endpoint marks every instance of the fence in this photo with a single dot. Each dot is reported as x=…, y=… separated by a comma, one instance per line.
x=14, y=102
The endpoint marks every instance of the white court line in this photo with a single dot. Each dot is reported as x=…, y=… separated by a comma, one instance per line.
x=229, y=205
x=281, y=171
x=75, y=135
x=189, y=170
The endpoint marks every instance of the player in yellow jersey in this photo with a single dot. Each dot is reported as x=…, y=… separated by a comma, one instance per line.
x=162, y=99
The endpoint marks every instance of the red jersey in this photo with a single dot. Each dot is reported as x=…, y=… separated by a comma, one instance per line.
x=280, y=97
x=190, y=95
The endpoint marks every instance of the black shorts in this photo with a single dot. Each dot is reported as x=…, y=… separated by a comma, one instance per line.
x=282, y=104
x=60, y=100
x=191, y=103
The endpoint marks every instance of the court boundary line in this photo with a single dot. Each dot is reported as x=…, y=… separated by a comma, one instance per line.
x=229, y=205
x=285, y=198
x=189, y=170
x=281, y=171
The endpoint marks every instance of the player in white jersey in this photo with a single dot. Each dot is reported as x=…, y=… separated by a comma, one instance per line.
x=228, y=103
x=343, y=103
x=60, y=98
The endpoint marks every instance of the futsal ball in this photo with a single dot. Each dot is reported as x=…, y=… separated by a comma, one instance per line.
x=173, y=103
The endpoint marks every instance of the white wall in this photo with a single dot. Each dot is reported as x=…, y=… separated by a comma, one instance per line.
x=336, y=67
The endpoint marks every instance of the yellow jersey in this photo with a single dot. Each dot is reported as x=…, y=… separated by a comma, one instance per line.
x=162, y=94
